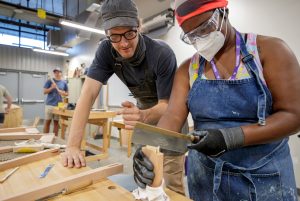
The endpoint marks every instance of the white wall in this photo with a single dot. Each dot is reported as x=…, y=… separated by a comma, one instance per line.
x=278, y=18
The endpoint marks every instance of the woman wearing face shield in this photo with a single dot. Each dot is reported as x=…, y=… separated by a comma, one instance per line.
x=243, y=92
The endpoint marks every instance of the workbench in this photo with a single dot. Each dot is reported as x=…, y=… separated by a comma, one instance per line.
x=99, y=118
x=14, y=118
x=25, y=184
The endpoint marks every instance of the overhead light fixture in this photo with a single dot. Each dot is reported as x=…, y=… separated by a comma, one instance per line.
x=94, y=7
x=51, y=52
x=80, y=26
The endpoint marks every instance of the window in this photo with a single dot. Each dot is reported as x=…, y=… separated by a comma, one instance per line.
x=21, y=33
x=51, y=6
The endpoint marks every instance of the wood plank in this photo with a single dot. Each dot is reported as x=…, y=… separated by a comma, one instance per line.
x=104, y=190
x=28, y=159
x=6, y=149
x=109, y=191
x=47, y=138
x=96, y=157
x=12, y=130
x=98, y=148
x=19, y=136
x=71, y=182
x=157, y=159
x=93, y=114
x=28, y=175
x=32, y=130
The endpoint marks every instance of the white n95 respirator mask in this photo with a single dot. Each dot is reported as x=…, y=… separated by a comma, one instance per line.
x=208, y=46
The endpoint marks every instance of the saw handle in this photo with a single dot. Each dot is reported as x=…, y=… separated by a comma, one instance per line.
x=194, y=138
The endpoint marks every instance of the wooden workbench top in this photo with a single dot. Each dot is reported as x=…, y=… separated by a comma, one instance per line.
x=93, y=114
x=27, y=177
x=109, y=191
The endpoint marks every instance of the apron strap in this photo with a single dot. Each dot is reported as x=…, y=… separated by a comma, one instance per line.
x=117, y=67
x=248, y=60
x=253, y=193
x=218, y=178
x=202, y=62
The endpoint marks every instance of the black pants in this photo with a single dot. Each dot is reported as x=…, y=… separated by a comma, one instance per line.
x=1, y=118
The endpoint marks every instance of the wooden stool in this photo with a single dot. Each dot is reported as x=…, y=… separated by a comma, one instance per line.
x=120, y=125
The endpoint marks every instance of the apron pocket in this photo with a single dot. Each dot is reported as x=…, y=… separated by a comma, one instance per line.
x=254, y=187
x=268, y=186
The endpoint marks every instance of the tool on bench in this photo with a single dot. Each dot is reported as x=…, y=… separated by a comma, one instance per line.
x=69, y=189
x=46, y=171
x=32, y=145
x=145, y=134
x=9, y=174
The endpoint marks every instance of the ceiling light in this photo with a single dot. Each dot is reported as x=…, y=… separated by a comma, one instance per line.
x=51, y=52
x=80, y=26
x=94, y=7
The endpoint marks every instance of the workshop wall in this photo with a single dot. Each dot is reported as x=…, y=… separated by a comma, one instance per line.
x=25, y=59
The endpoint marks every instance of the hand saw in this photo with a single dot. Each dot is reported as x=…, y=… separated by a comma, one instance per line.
x=145, y=134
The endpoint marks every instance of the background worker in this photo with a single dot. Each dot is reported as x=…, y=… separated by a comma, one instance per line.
x=146, y=66
x=4, y=94
x=55, y=88
x=243, y=92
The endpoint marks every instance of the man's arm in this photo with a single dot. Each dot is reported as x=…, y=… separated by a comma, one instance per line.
x=132, y=114
x=72, y=156
x=9, y=102
x=63, y=93
x=47, y=90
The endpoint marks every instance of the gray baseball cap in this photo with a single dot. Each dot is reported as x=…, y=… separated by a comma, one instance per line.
x=116, y=13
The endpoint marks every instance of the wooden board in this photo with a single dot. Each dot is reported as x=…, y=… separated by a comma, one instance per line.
x=93, y=114
x=47, y=138
x=12, y=130
x=27, y=177
x=70, y=183
x=157, y=159
x=32, y=130
x=19, y=136
x=28, y=159
x=6, y=149
x=106, y=190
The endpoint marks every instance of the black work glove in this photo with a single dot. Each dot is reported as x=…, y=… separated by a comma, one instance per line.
x=214, y=142
x=143, y=169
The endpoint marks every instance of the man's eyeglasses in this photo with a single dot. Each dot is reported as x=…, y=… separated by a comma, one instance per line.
x=202, y=30
x=128, y=35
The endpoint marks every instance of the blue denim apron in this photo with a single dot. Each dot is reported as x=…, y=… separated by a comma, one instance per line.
x=260, y=172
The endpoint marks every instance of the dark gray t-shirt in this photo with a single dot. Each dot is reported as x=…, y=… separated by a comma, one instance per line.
x=159, y=58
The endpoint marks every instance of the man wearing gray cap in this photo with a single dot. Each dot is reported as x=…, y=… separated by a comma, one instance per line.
x=55, y=88
x=146, y=66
